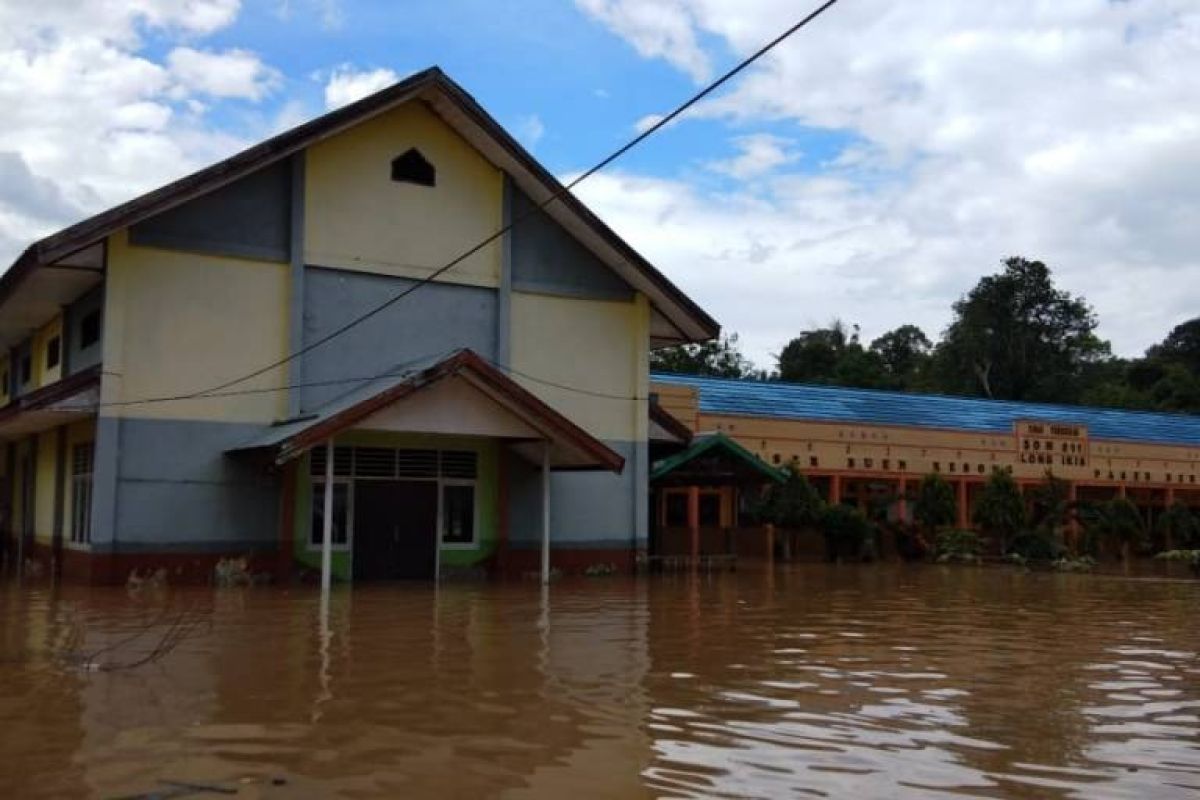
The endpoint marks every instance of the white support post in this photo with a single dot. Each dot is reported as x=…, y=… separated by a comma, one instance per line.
x=546, y=512
x=327, y=526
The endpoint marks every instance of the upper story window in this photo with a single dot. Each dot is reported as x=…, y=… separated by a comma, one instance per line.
x=412, y=167
x=53, y=352
x=89, y=329
x=4, y=382
x=26, y=369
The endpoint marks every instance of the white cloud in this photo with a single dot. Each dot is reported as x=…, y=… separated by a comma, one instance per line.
x=93, y=118
x=1066, y=131
x=759, y=154
x=647, y=122
x=347, y=84
x=232, y=73
x=530, y=130
x=656, y=29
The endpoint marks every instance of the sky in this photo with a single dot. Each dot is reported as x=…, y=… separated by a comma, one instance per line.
x=872, y=168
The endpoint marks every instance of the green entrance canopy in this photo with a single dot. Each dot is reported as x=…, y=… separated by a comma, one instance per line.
x=714, y=458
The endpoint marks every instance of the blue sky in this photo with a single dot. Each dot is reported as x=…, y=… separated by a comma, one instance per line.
x=872, y=168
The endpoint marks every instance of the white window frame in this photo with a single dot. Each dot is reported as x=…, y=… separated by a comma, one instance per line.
x=441, y=516
x=315, y=547
x=88, y=478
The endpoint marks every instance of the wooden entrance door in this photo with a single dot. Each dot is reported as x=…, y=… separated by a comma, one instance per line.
x=395, y=530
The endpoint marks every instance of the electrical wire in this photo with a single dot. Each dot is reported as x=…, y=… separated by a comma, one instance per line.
x=403, y=370
x=560, y=192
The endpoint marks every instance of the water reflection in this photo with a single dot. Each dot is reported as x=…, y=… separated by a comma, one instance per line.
x=812, y=681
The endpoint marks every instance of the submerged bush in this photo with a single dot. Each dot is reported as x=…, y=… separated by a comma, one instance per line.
x=1189, y=557
x=1034, y=546
x=1080, y=564
x=962, y=547
x=846, y=532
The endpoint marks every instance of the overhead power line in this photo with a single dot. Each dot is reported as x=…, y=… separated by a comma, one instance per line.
x=402, y=370
x=562, y=191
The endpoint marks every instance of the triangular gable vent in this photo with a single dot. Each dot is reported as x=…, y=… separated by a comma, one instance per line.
x=412, y=167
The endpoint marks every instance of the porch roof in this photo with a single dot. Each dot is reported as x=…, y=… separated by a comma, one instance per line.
x=73, y=398
x=714, y=458
x=445, y=394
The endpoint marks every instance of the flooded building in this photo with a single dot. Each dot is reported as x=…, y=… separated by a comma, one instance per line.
x=232, y=365
x=861, y=445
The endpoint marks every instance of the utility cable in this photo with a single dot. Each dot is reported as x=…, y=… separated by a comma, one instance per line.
x=560, y=192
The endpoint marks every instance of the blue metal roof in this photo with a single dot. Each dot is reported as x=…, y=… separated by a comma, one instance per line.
x=876, y=407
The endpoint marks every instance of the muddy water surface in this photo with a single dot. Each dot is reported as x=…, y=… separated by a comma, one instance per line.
x=809, y=681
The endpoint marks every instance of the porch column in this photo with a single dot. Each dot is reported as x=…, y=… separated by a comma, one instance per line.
x=327, y=522
x=962, y=516
x=1073, y=521
x=835, y=490
x=545, y=513
x=1169, y=500
x=902, y=502
x=693, y=517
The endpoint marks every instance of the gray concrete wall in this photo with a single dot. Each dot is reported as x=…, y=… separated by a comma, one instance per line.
x=173, y=487
x=587, y=509
x=77, y=357
x=249, y=218
x=547, y=259
x=433, y=320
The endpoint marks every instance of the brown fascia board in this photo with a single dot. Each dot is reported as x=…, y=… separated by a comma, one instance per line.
x=103, y=224
x=464, y=360
x=53, y=392
x=485, y=120
x=670, y=422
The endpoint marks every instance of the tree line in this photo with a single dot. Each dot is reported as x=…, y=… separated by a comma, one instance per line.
x=1014, y=336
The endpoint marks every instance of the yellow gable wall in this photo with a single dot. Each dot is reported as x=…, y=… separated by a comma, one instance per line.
x=597, y=346
x=43, y=374
x=358, y=218
x=179, y=323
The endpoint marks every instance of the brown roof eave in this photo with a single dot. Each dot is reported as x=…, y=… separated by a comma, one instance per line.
x=468, y=103
x=306, y=439
x=95, y=228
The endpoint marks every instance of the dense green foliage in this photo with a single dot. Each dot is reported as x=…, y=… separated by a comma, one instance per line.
x=847, y=533
x=934, y=505
x=1179, y=527
x=716, y=358
x=1014, y=336
x=794, y=504
x=1117, y=520
x=1000, y=508
x=957, y=546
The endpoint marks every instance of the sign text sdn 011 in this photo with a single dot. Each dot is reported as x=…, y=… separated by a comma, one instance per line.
x=1052, y=444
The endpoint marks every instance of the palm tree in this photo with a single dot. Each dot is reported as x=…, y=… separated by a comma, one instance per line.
x=1000, y=509
x=935, y=505
x=1118, y=520
x=1178, y=527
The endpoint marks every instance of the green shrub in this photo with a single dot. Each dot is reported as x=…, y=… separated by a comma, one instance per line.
x=1034, y=546
x=1080, y=564
x=935, y=505
x=793, y=504
x=1179, y=526
x=1000, y=510
x=1189, y=557
x=963, y=547
x=846, y=532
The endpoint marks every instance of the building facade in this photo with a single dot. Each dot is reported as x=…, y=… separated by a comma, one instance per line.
x=175, y=367
x=859, y=445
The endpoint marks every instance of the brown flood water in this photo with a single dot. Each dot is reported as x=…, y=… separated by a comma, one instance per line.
x=810, y=681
